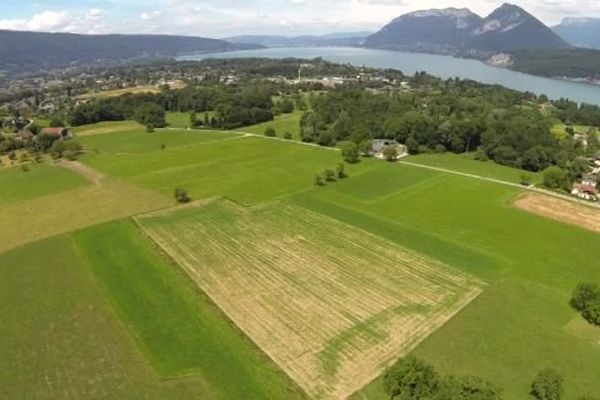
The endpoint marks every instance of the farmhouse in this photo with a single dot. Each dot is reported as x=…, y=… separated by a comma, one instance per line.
x=61, y=133
x=378, y=145
x=585, y=191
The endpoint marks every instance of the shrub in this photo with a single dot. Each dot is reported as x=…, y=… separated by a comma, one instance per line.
x=555, y=178
x=182, y=196
x=350, y=152
x=329, y=175
x=287, y=136
x=586, y=300
x=390, y=153
x=319, y=181
x=341, y=171
x=547, y=385
x=270, y=132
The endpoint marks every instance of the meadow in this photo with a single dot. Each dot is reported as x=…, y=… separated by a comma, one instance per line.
x=274, y=269
x=466, y=163
x=249, y=169
x=90, y=310
x=40, y=180
x=532, y=264
x=283, y=123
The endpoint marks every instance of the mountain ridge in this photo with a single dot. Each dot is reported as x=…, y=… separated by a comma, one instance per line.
x=582, y=32
x=461, y=32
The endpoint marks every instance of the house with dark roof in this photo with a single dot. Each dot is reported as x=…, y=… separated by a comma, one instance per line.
x=60, y=133
x=378, y=145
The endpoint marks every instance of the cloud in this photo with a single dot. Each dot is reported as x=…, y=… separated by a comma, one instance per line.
x=51, y=21
x=58, y=21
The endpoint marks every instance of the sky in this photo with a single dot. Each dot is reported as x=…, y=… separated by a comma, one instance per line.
x=222, y=18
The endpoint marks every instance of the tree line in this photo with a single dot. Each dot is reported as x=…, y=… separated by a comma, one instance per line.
x=235, y=106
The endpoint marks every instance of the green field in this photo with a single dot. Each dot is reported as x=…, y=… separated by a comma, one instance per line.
x=249, y=170
x=531, y=263
x=96, y=311
x=559, y=130
x=282, y=123
x=140, y=141
x=182, y=119
x=466, y=163
x=40, y=180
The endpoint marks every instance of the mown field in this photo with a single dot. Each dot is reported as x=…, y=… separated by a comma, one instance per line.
x=466, y=163
x=286, y=265
x=281, y=123
x=98, y=312
x=40, y=180
x=208, y=163
x=522, y=322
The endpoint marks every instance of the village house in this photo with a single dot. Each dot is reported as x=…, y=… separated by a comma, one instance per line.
x=60, y=133
x=378, y=145
x=585, y=192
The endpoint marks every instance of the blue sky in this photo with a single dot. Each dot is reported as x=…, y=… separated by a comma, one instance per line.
x=221, y=18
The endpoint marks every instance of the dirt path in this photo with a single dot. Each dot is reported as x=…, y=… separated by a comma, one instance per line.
x=560, y=210
x=88, y=173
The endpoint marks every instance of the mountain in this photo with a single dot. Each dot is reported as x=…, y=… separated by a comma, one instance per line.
x=38, y=49
x=582, y=32
x=332, y=39
x=462, y=32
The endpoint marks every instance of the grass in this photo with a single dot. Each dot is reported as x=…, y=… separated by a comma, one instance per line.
x=182, y=119
x=137, y=141
x=559, y=130
x=287, y=264
x=517, y=327
x=467, y=164
x=40, y=180
x=249, y=170
x=282, y=123
x=102, y=128
x=61, y=339
x=29, y=220
x=181, y=333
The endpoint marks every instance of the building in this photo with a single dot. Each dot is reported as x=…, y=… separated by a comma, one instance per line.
x=60, y=133
x=378, y=145
x=585, y=192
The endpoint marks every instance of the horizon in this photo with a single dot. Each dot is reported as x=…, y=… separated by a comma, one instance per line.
x=254, y=17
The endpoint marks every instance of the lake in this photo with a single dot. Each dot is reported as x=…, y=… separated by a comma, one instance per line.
x=442, y=66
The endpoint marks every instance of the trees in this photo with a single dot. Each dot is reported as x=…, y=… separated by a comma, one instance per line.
x=555, y=178
x=329, y=175
x=319, y=181
x=411, y=379
x=390, y=153
x=341, y=171
x=586, y=300
x=270, y=132
x=350, y=152
x=467, y=388
x=181, y=196
x=287, y=136
x=547, y=385
x=150, y=114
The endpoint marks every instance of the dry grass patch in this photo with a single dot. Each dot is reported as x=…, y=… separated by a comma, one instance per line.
x=560, y=210
x=331, y=304
x=31, y=220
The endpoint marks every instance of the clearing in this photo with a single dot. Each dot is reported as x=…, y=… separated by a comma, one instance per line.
x=281, y=123
x=331, y=304
x=560, y=210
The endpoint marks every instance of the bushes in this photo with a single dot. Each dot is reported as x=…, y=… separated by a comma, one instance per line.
x=270, y=132
x=181, y=196
x=556, y=178
x=413, y=379
x=547, y=385
x=586, y=300
x=350, y=152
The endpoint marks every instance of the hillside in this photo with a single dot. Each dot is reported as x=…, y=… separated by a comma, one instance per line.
x=582, y=32
x=333, y=39
x=462, y=32
x=39, y=49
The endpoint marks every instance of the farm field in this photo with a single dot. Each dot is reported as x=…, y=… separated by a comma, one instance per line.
x=102, y=128
x=62, y=338
x=40, y=180
x=282, y=123
x=561, y=210
x=531, y=263
x=182, y=119
x=43, y=217
x=249, y=170
x=275, y=269
x=465, y=163
x=137, y=140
